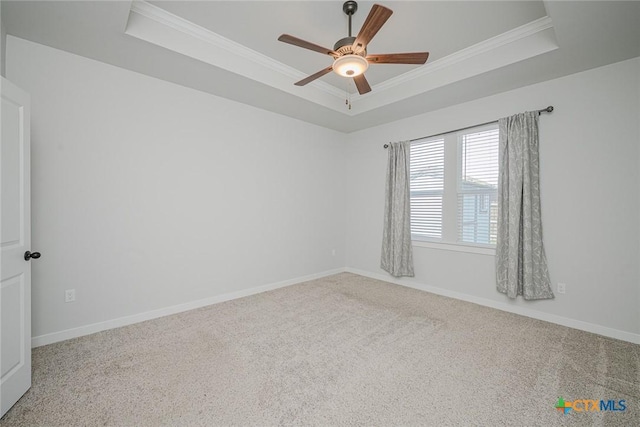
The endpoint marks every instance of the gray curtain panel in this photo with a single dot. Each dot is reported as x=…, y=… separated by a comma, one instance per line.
x=397, y=252
x=521, y=264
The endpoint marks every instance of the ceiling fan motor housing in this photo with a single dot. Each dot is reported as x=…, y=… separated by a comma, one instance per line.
x=345, y=47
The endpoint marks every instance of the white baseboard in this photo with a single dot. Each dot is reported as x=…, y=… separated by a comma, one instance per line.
x=161, y=312
x=153, y=314
x=523, y=311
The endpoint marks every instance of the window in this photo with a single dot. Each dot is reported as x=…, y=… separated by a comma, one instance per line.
x=454, y=187
x=478, y=186
x=426, y=172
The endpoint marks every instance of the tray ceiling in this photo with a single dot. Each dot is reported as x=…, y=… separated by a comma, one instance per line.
x=230, y=48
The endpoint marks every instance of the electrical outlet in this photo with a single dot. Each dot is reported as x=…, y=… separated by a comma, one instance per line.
x=562, y=288
x=69, y=295
x=333, y=252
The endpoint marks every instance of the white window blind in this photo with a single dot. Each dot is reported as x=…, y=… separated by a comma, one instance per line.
x=478, y=186
x=427, y=186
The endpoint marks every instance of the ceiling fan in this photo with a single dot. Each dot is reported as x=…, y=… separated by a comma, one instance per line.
x=350, y=53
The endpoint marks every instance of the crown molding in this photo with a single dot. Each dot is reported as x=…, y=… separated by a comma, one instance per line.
x=522, y=43
x=494, y=43
x=158, y=26
x=175, y=22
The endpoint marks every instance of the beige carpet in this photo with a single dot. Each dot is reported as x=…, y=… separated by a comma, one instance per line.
x=343, y=350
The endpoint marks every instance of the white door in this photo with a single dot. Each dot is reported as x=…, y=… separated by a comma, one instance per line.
x=15, y=235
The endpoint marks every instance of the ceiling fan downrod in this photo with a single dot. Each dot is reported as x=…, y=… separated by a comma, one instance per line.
x=350, y=7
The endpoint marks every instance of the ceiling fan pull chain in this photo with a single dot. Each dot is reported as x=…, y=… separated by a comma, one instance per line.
x=346, y=96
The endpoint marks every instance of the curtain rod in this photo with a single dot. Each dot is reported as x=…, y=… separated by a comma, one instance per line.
x=549, y=109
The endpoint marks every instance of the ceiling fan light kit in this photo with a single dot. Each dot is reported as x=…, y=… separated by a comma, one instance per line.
x=350, y=65
x=350, y=53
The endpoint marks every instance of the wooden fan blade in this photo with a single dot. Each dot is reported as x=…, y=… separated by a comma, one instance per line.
x=362, y=84
x=398, y=58
x=307, y=45
x=312, y=77
x=376, y=19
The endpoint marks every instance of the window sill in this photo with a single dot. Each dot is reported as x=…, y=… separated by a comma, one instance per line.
x=455, y=247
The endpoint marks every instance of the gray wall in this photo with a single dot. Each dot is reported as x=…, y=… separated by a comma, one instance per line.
x=3, y=44
x=148, y=195
x=589, y=155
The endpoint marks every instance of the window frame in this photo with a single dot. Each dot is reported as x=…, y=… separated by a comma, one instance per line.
x=450, y=237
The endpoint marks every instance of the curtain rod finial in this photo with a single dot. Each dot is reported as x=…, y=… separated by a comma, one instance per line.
x=385, y=146
x=549, y=109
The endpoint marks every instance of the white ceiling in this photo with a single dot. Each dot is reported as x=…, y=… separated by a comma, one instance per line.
x=230, y=49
